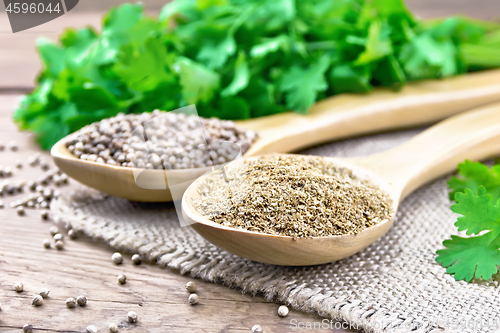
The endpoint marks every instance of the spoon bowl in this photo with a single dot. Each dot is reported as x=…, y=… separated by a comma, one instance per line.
x=337, y=117
x=399, y=171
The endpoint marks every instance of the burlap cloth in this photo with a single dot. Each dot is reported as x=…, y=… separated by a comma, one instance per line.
x=393, y=285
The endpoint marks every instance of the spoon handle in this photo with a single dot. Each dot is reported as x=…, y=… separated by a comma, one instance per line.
x=346, y=115
x=473, y=135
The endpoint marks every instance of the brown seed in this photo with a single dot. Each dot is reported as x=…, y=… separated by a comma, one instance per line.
x=193, y=299
x=81, y=300
x=191, y=287
x=59, y=245
x=132, y=317
x=122, y=279
x=20, y=210
x=28, y=328
x=136, y=259
x=46, y=243
x=72, y=234
x=37, y=300
x=44, y=214
x=70, y=302
x=18, y=286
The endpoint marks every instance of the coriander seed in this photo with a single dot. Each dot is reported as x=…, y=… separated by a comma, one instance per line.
x=70, y=302
x=72, y=234
x=132, y=317
x=44, y=214
x=122, y=279
x=117, y=258
x=257, y=329
x=81, y=300
x=20, y=210
x=19, y=164
x=136, y=259
x=53, y=230
x=191, y=287
x=18, y=286
x=1, y=204
x=13, y=145
x=91, y=329
x=37, y=300
x=193, y=299
x=44, y=292
x=46, y=243
x=283, y=311
x=113, y=328
x=292, y=195
x=2, y=146
x=28, y=328
x=59, y=245
x=58, y=237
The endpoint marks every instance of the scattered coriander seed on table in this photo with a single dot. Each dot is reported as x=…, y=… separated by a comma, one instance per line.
x=53, y=231
x=59, y=245
x=18, y=286
x=193, y=299
x=28, y=328
x=257, y=329
x=283, y=311
x=44, y=292
x=46, y=243
x=72, y=234
x=37, y=300
x=20, y=210
x=122, y=278
x=113, y=328
x=70, y=302
x=132, y=317
x=1, y=204
x=117, y=258
x=2, y=146
x=13, y=145
x=81, y=300
x=44, y=214
x=58, y=237
x=191, y=287
x=19, y=164
x=136, y=259
x=91, y=329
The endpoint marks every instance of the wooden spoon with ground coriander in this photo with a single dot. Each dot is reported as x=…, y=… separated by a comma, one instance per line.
x=101, y=156
x=304, y=210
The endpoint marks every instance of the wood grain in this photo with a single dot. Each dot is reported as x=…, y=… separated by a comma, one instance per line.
x=83, y=267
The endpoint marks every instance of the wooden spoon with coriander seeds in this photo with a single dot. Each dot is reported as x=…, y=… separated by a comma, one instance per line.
x=473, y=135
x=337, y=117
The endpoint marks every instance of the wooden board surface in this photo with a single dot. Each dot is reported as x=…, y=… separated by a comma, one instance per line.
x=85, y=268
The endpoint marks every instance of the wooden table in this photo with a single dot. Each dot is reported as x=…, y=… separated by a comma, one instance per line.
x=85, y=268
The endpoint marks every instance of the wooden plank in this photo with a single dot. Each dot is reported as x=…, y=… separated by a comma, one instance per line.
x=83, y=267
x=19, y=63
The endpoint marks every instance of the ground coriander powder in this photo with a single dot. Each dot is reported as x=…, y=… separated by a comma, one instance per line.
x=292, y=195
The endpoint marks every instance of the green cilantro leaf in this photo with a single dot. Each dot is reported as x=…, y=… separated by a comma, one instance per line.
x=477, y=256
x=302, y=85
x=472, y=175
x=240, y=79
x=198, y=82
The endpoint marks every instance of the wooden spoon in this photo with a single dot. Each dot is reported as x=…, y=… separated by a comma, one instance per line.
x=337, y=117
x=433, y=153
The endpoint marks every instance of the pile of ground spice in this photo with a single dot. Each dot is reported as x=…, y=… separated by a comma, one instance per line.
x=292, y=195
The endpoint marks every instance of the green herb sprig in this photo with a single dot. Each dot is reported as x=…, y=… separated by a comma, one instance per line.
x=240, y=59
x=477, y=195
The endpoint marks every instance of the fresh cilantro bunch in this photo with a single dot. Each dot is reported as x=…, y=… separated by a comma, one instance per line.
x=237, y=59
x=477, y=196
